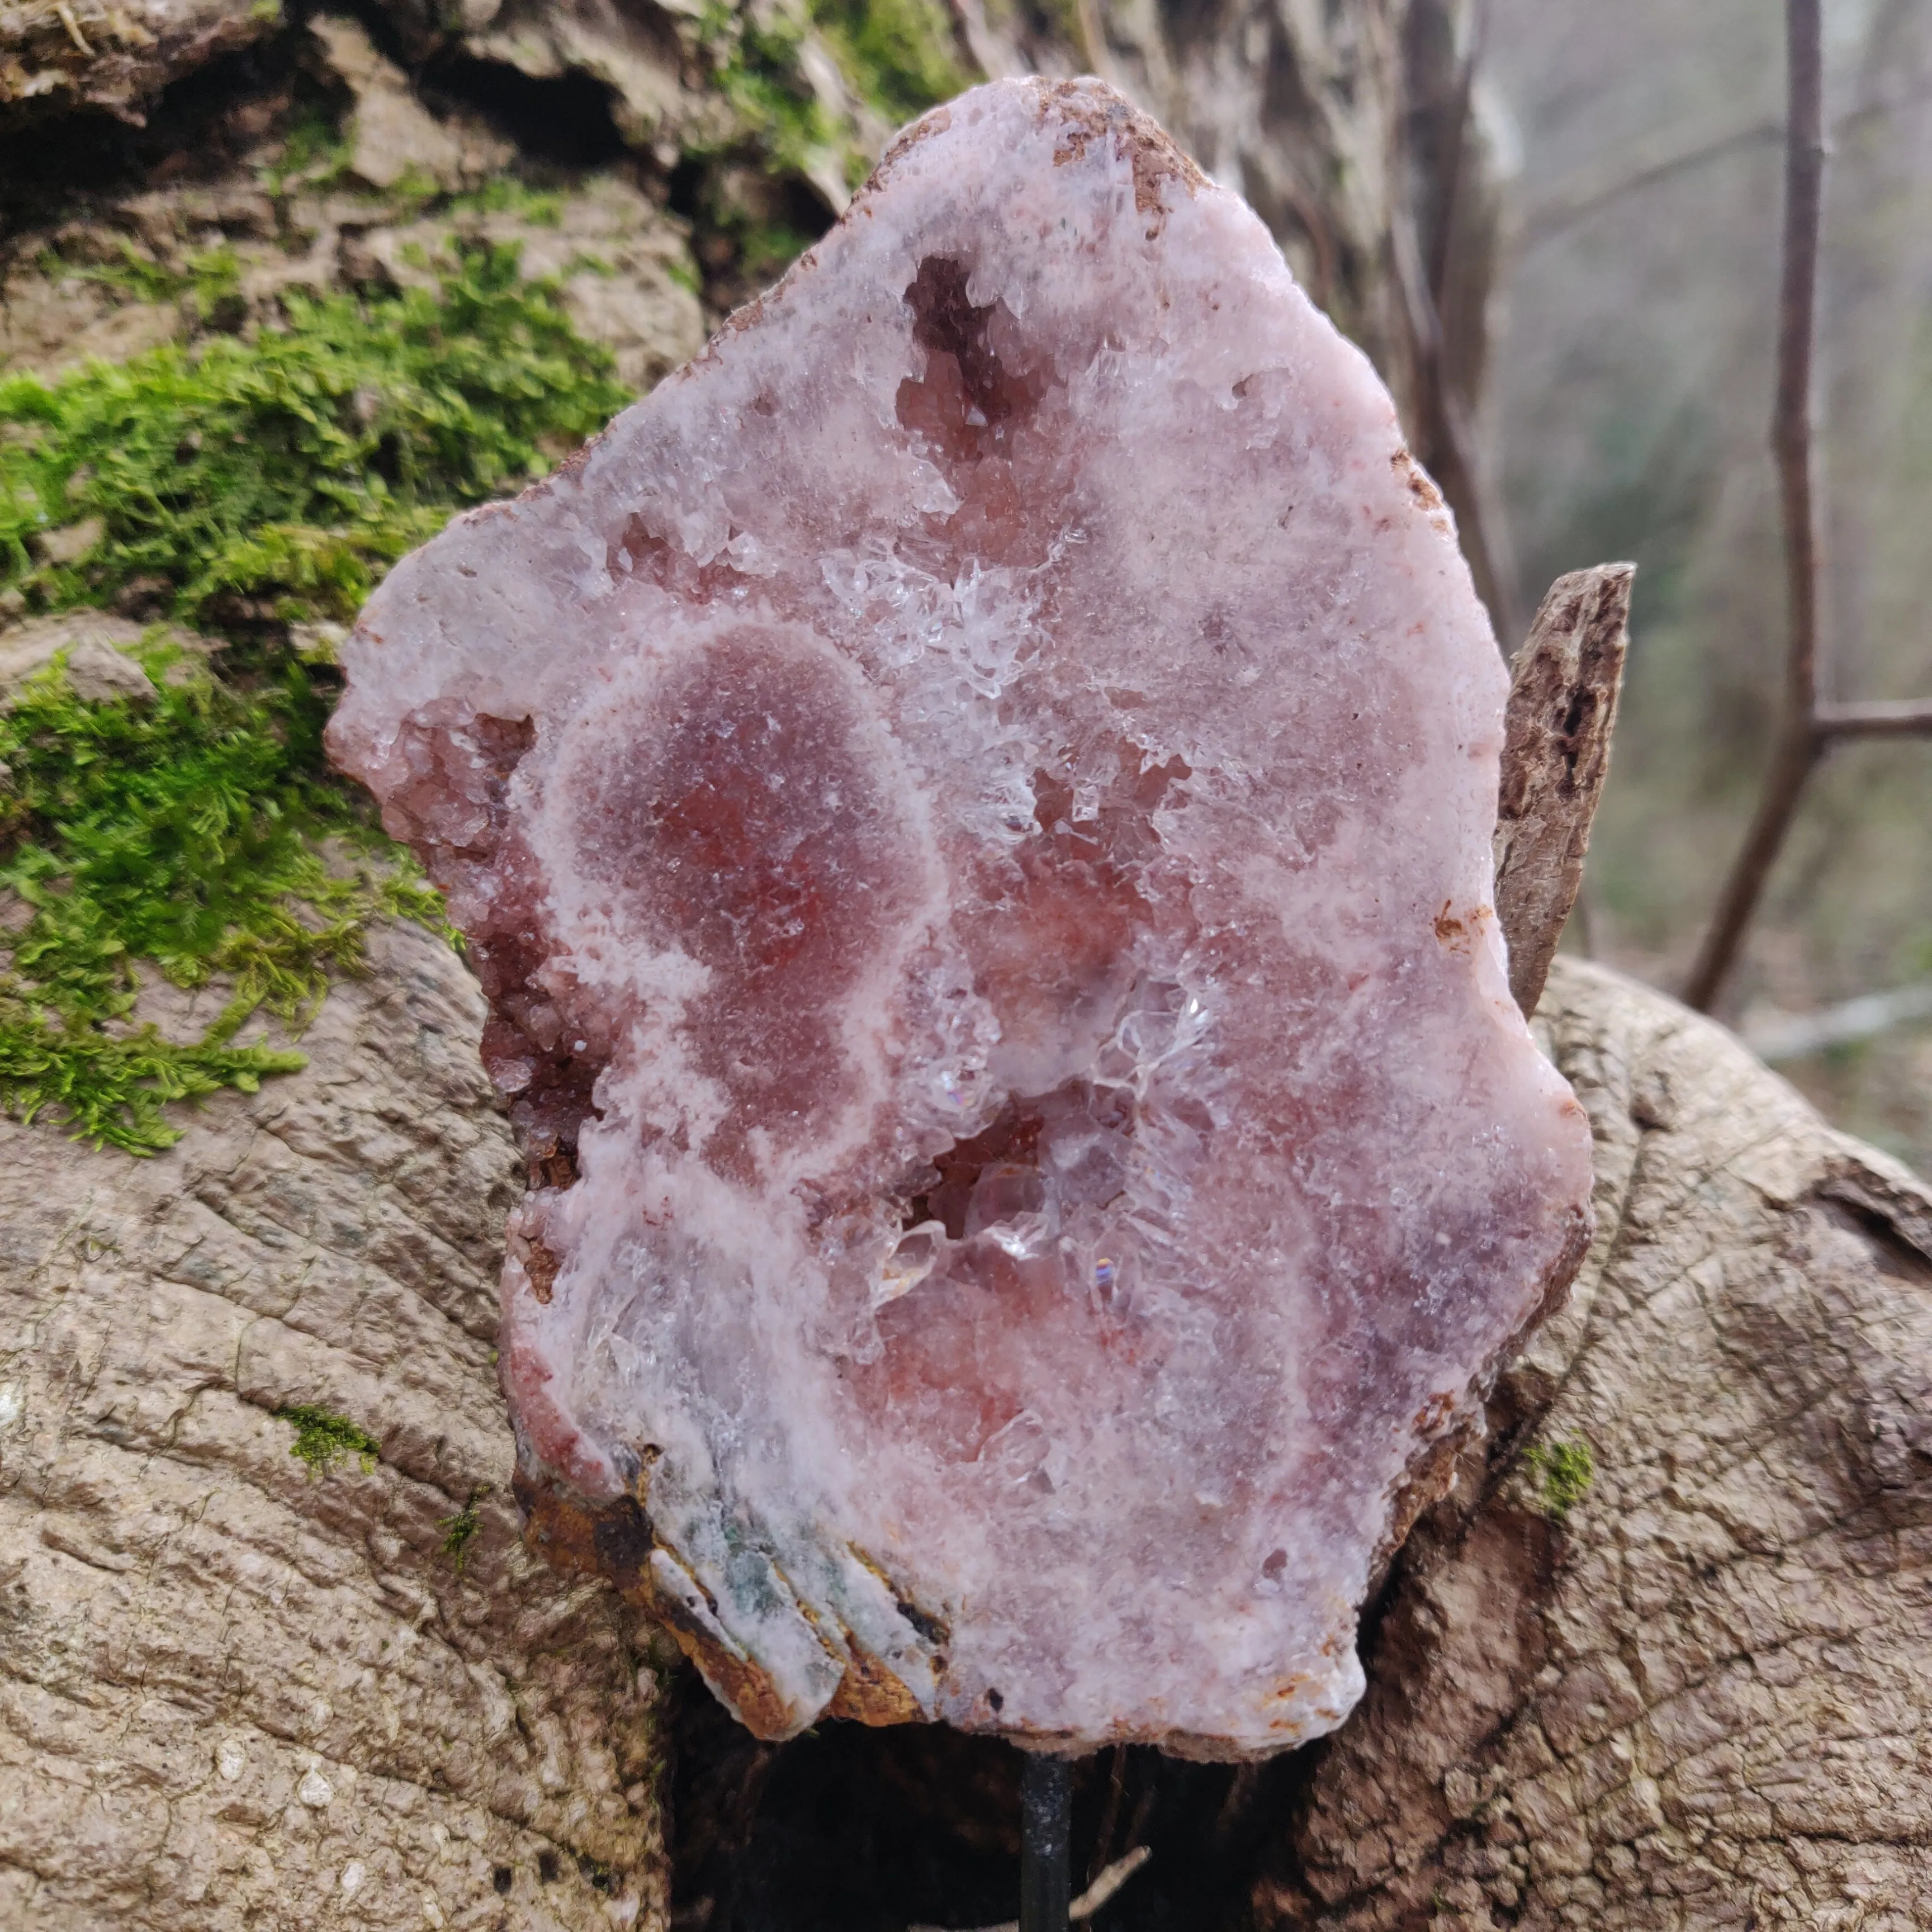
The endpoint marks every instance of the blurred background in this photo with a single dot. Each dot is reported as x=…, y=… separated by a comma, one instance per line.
x=1628, y=416
x=1553, y=225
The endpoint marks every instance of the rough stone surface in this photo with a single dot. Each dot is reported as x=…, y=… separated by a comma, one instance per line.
x=624, y=266
x=1704, y=1699
x=392, y=135
x=973, y=805
x=635, y=52
x=117, y=54
x=94, y=646
x=233, y=1695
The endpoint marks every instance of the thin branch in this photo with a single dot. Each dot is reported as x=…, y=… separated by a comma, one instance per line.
x=1776, y=1036
x=1089, y=1902
x=1800, y=742
x=1090, y=34
x=1446, y=422
x=1443, y=419
x=1575, y=199
x=1880, y=717
x=1797, y=335
x=1462, y=110
x=1808, y=727
x=1571, y=202
x=1791, y=765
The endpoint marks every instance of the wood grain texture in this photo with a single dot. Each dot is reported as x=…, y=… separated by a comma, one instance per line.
x=64, y=54
x=1704, y=1694
x=236, y=1694
x=1556, y=754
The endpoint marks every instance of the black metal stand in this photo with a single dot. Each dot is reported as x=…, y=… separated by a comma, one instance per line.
x=1046, y=1830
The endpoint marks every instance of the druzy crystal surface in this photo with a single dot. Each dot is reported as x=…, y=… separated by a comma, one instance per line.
x=972, y=808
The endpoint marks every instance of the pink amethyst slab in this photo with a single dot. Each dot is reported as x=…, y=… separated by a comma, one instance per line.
x=972, y=808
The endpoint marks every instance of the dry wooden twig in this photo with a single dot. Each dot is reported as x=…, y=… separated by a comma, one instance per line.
x=1446, y=436
x=1810, y=727
x=1089, y=1902
x=1576, y=199
x=1556, y=754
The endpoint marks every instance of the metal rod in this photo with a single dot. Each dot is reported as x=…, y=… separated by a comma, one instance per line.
x=1046, y=1832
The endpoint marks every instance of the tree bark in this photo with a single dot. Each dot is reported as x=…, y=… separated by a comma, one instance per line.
x=1564, y=687
x=236, y=1692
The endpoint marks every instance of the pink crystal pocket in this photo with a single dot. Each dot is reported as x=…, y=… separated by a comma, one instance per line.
x=971, y=806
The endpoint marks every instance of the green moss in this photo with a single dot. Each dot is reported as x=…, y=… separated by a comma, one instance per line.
x=459, y=1530
x=765, y=248
x=1563, y=1472
x=132, y=274
x=202, y=834
x=296, y=468
x=208, y=288
x=323, y=1440
x=755, y=66
x=899, y=54
x=114, y=1090
x=187, y=834
x=505, y=194
x=315, y=151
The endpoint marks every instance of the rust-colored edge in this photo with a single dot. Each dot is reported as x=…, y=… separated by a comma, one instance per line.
x=614, y=1540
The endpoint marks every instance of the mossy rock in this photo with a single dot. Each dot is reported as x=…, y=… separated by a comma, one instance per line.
x=196, y=832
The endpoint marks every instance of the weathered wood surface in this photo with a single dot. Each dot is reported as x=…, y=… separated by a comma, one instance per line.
x=231, y=1694
x=115, y=54
x=1704, y=1699
x=1562, y=707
